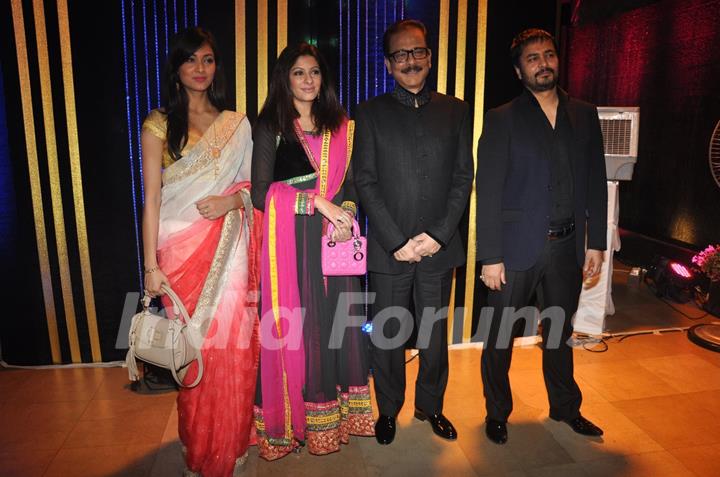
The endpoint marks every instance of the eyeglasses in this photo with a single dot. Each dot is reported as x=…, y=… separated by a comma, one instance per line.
x=401, y=56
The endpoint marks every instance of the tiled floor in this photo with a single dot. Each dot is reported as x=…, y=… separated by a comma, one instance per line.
x=656, y=396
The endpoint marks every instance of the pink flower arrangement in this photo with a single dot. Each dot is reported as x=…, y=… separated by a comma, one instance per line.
x=709, y=262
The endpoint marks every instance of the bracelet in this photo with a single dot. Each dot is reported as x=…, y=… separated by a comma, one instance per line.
x=305, y=203
x=349, y=206
x=300, y=198
x=154, y=269
x=310, y=206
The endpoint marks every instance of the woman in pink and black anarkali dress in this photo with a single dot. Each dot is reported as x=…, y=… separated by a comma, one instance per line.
x=311, y=392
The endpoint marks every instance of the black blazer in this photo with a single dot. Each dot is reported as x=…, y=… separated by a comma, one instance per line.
x=413, y=173
x=513, y=179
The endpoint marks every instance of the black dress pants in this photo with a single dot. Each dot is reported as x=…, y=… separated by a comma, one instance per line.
x=430, y=292
x=555, y=279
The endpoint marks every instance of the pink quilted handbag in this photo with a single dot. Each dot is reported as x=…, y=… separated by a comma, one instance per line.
x=344, y=258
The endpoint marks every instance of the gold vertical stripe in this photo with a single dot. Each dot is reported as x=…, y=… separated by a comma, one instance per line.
x=443, y=41
x=34, y=173
x=272, y=258
x=451, y=309
x=240, y=57
x=76, y=172
x=262, y=56
x=53, y=170
x=442, y=62
x=477, y=129
x=282, y=25
x=275, y=294
x=460, y=49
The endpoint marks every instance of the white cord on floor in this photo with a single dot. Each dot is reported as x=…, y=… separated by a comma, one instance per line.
x=645, y=332
x=109, y=364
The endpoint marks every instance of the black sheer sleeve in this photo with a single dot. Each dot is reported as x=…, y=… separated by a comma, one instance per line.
x=263, y=163
x=349, y=191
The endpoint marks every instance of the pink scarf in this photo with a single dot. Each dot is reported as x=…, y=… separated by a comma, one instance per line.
x=283, y=369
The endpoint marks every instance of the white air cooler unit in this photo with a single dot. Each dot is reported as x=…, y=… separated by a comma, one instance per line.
x=620, y=127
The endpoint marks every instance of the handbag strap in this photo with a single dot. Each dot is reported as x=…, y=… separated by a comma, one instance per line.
x=173, y=369
x=177, y=302
x=355, y=229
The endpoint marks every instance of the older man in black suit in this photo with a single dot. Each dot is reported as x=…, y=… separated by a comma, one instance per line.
x=413, y=168
x=541, y=194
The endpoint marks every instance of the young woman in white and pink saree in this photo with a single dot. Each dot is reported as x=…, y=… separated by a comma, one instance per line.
x=310, y=392
x=198, y=237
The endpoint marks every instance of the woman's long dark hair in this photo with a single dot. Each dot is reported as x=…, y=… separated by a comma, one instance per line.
x=279, y=112
x=175, y=99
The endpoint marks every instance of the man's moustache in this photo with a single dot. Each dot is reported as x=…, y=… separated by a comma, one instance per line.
x=415, y=68
x=546, y=70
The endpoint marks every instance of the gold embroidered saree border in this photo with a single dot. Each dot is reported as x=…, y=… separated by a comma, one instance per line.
x=186, y=167
x=210, y=294
x=324, y=162
x=350, y=141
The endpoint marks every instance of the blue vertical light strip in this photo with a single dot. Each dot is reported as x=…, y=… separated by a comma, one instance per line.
x=395, y=9
x=175, y=16
x=376, y=63
x=195, y=8
x=402, y=9
x=130, y=146
x=341, y=56
x=157, y=53
x=185, y=11
x=147, y=55
x=385, y=24
x=367, y=94
x=138, y=123
x=8, y=211
x=367, y=52
x=167, y=35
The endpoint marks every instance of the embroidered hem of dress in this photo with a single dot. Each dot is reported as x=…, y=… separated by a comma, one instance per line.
x=329, y=424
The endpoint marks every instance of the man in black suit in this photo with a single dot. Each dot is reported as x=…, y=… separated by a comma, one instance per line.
x=541, y=192
x=413, y=169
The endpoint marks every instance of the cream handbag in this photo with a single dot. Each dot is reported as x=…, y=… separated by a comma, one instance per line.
x=165, y=342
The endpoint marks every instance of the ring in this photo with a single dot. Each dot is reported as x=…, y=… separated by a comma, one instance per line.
x=482, y=277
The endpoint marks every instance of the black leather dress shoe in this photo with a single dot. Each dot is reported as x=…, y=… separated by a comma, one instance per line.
x=496, y=431
x=440, y=424
x=385, y=429
x=583, y=426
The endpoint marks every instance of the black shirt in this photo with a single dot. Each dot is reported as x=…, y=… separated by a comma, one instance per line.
x=557, y=141
x=413, y=100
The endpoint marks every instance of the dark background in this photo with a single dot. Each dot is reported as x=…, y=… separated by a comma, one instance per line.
x=665, y=58
x=659, y=55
